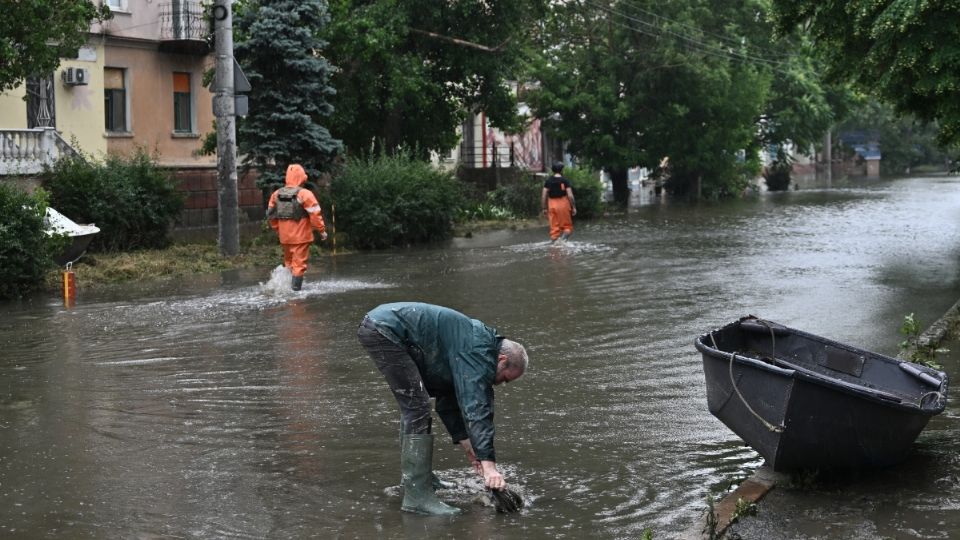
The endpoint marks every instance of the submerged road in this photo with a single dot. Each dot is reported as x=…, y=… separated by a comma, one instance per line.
x=222, y=408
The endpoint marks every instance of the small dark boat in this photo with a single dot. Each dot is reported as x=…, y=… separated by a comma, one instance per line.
x=804, y=402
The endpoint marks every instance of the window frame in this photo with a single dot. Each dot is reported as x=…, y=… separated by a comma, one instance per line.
x=180, y=100
x=121, y=6
x=116, y=101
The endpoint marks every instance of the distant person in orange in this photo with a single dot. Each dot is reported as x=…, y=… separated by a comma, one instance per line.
x=294, y=213
x=557, y=201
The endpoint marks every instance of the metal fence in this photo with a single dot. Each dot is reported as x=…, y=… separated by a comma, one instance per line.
x=491, y=155
x=183, y=19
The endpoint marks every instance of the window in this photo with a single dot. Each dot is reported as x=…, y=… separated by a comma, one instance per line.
x=182, y=115
x=116, y=5
x=115, y=99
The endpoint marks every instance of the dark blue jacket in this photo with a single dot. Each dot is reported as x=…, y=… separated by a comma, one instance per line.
x=457, y=358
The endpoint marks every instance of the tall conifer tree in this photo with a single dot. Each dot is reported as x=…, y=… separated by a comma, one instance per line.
x=282, y=56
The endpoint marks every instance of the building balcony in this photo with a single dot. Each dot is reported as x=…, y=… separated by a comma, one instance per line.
x=184, y=28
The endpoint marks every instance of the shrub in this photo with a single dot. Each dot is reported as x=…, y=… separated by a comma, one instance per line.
x=132, y=200
x=394, y=200
x=484, y=212
x=521, y=196
x=587, y=190
x=778, y=176
x=26, y=251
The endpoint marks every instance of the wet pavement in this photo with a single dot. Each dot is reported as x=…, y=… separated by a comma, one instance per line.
x=221, y=407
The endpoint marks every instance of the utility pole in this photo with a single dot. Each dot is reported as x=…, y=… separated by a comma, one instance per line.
x=225, y=112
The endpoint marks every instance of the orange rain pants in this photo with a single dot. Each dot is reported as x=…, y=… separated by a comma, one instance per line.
x=295, y=257
x=560, y=214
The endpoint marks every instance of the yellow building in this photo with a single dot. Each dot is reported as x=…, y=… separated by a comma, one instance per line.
x=137, y=83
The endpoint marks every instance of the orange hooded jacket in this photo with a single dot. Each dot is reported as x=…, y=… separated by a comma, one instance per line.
x=298, y=231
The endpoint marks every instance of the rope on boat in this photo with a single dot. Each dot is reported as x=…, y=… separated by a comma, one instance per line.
x=733, y=382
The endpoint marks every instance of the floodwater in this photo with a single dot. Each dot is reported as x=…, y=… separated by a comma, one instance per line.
x=221, y=407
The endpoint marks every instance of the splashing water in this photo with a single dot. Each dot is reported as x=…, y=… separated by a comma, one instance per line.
x=560, y=246
x=279, y=283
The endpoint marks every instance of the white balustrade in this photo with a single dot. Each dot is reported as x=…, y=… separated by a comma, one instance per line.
x=26, y=151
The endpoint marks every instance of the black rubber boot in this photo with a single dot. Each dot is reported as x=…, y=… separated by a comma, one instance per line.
x=296, y=283
x=416, y=463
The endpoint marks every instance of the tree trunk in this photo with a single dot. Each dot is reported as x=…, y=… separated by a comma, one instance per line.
x=621, y=191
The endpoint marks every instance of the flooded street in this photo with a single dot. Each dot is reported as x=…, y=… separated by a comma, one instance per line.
x=220, y=408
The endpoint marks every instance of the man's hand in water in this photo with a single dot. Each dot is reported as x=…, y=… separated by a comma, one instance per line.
x=471, y=455
x=492, y=477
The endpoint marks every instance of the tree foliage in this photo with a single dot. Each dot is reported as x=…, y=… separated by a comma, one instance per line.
x=904, y=51
x=411, y=72
x=131, y=199
x=36, y=34
x=26, y=252
x=280, y=49
x=628, y=83
x=800, y=105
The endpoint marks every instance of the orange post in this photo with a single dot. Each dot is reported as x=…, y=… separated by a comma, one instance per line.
x=69, y=286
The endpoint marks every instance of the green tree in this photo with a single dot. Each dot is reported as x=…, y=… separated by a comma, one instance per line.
x=628, y=83
x=411, y=72
x=280, y=49
x=903, y=51
x=36, y=34
x=798, y=109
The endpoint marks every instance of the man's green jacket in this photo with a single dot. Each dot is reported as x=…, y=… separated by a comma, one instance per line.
x=457, y=358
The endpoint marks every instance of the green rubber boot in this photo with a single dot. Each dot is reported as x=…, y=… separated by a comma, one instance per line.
x=436, y=483
x=296, y=283
x=416, y=464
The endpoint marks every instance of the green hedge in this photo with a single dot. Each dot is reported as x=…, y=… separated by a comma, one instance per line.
x=26, y=251
x=587, y=190
x=521, y=196
x=393, y=201
x=131, y=200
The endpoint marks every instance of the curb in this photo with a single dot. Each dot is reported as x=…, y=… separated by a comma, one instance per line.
x=936, y=332
x=749, y=491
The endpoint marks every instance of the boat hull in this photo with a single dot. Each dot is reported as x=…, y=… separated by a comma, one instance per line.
x=802, y=416
x=74, y=250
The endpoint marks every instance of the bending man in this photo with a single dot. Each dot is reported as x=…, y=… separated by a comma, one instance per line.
x=427, y=351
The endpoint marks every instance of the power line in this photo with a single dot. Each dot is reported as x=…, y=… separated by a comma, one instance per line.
x=731, y=40
x=658, y=31
x=704, y=46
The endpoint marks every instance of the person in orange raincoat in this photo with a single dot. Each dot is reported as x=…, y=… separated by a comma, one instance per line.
x=293, y=211
x=557, y=201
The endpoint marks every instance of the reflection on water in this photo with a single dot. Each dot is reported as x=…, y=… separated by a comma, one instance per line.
x=231, y=406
